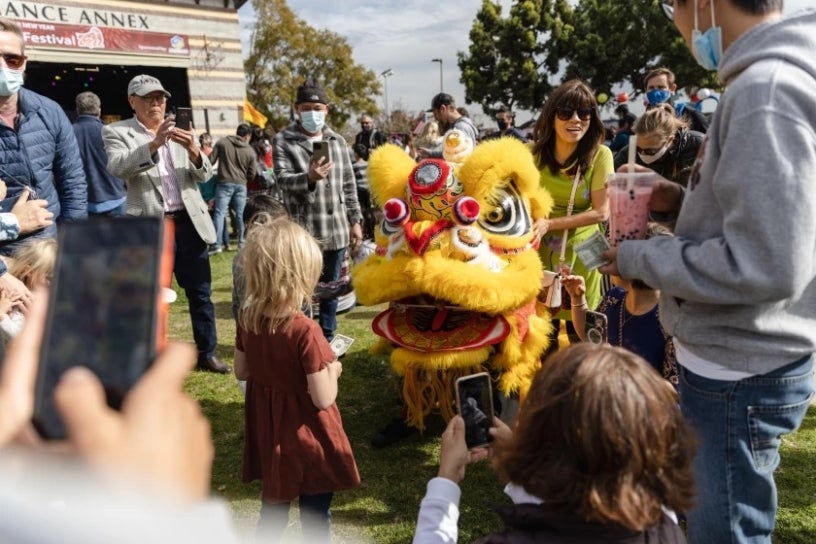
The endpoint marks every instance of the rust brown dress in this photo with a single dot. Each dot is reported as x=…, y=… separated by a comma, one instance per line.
x=291, y=446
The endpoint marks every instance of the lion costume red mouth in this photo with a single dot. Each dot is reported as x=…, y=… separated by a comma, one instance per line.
x=430, y=325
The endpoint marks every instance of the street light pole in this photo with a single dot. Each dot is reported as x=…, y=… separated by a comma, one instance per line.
x=386, y=74
x=440, y=73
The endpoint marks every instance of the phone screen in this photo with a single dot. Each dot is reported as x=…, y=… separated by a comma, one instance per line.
x=474, y=399
x=184, y=118
x=321, y=149
x=103, y=311
x=596, y=327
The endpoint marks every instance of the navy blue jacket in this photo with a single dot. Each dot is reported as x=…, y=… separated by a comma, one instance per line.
x=42, y=154
x=102, y=186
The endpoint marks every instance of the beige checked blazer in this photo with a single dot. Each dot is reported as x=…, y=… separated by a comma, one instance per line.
x=129, y=158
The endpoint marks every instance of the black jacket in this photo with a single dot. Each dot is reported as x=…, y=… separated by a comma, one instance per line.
x=676, y=164
x=531, y=523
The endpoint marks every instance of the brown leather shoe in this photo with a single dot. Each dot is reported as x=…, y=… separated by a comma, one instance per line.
x=213, y=364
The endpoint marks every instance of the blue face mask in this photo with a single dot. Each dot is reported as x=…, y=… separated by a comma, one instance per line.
x=707, y=46
x=313, y=121
x=10, y=81
x=658, y=96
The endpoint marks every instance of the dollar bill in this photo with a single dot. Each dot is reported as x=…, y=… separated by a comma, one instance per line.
x=341, y=343
x=590, y=250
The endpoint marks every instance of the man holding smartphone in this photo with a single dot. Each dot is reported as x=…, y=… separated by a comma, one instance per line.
x=163, y=165
x=320, y=194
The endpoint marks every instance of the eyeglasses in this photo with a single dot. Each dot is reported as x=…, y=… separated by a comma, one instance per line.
x=159, y=99
x=565, y=114
x=13, y=60
x=667, y=6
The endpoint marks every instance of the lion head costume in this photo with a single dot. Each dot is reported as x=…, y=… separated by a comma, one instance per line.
x=454, y=261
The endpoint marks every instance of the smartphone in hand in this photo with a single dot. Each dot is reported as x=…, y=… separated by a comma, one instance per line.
x=184, y=118
x=474, y=401
x=596, y=327
x=320, y=149
x=104, y=310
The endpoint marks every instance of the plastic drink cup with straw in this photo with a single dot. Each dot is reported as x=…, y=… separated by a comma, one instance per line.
x=629, y=194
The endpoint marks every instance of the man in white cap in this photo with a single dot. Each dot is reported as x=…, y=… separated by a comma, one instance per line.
x=163, y=165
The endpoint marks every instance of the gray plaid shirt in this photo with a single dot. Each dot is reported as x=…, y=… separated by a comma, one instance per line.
x=330, y=207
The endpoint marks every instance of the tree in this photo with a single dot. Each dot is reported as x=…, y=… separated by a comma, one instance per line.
x=286, y=50
x=619, y=42
x=510, y=59
x=518, y=60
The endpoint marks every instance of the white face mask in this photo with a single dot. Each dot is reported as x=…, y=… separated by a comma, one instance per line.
x=649, y=159
x=312, y=120
x=10, y=81
x=707, y=46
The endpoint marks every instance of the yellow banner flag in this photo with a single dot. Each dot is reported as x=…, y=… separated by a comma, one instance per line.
x=253, y=116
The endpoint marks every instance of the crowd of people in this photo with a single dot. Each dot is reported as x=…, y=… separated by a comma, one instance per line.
x=709, y=354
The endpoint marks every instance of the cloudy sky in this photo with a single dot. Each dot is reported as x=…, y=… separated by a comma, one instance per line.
x=404, y=35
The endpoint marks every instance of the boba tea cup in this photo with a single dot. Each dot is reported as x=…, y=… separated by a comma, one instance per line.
x=629, y=195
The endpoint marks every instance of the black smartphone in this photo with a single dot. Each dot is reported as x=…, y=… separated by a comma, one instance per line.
x=184, y=118
x=104, y=310
x=596, y=327
x=474, y=400
x=320, y=149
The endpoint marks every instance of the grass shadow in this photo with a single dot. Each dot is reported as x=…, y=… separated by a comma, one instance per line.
x=223, y=309
x=227, y=424
x=365, y=315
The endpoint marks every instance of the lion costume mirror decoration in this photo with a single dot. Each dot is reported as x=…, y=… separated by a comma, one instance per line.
x=454, y=260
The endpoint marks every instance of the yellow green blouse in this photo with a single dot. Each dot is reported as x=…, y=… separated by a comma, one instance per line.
x=560, y=186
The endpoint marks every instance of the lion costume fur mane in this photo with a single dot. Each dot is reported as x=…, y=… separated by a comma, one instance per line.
x=455, y=262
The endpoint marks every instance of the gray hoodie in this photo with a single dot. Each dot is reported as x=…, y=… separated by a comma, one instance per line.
x=236, y=160
x=738, y=282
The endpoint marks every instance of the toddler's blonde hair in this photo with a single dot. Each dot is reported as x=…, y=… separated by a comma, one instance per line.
x=34, y=259
x=282, y=264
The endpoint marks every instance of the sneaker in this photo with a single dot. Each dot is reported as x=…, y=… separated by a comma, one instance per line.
x=214, y=250
x=395, y=431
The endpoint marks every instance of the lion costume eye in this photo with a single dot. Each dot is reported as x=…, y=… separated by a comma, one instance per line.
x=508, y=214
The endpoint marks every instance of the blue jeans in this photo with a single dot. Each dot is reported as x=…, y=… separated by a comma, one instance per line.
x=739, y=425
x=234, y=196
x=315, y=519
x=332, y=264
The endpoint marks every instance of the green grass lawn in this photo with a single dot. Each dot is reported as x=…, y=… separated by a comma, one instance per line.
x=383, y=509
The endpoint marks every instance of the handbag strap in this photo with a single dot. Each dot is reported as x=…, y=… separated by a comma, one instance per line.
x=570, y=205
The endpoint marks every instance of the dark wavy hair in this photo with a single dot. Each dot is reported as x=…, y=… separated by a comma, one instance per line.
x=570, y=94
x=600, y=435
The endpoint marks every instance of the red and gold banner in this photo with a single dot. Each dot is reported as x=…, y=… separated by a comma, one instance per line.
x=63, y=36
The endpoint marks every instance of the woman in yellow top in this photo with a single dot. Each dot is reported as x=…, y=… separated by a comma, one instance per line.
x=568, y=142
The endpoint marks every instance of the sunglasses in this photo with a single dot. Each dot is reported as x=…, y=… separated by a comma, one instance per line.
x=667, y=6
x=565, y=114
x=649, y=151
x=13, y=60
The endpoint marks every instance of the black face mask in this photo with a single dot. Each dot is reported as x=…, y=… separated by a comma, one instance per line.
x=503, y=124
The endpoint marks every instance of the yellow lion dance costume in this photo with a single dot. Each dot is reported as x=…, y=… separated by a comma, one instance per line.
x=454, y=259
